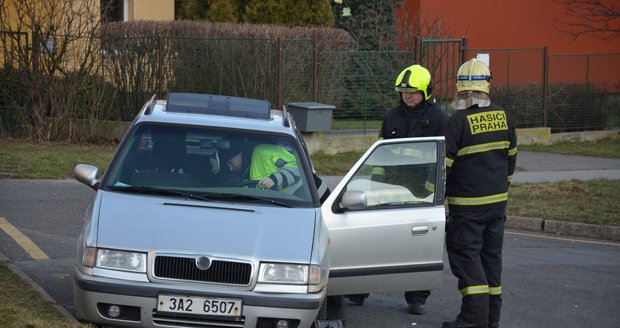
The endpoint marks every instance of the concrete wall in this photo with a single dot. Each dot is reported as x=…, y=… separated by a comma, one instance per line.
x=331, y=144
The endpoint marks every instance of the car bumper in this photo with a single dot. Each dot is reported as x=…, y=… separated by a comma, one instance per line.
x=92, y=294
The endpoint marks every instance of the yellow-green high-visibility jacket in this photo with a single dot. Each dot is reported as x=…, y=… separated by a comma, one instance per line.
x=277, y=163
x=481, y=155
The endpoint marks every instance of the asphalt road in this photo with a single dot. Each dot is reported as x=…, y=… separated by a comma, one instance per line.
x=548, y=282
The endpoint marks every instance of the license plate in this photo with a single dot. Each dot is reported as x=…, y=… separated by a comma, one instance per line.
x=199, y=305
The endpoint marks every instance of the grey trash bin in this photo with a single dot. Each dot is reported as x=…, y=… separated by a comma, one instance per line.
x=312, y=116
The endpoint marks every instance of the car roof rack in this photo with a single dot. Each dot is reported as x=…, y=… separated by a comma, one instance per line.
x=150, y=104
x=285, y=121
x=197, y=103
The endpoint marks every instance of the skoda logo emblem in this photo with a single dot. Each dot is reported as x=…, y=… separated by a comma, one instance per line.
x=203, y=263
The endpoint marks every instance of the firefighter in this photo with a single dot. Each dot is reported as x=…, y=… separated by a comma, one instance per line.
x=414, y=116
x=481, y=153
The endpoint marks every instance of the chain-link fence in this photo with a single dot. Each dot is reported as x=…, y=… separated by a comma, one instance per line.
x=517, y=82
x=361, y=86
x=12, y=44
x=564, y=92
x=255, y=68
x=582, y=91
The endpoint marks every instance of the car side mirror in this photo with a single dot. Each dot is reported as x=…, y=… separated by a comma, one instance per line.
x=354, y=200
x=87, y=174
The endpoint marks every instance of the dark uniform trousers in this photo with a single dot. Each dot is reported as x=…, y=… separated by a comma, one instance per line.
x=474, y=243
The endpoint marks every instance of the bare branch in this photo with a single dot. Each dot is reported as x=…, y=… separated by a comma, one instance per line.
x=51, y=61
x=596, y=17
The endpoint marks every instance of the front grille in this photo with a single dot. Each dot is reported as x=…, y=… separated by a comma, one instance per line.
x=195, y=321
x=184, y=268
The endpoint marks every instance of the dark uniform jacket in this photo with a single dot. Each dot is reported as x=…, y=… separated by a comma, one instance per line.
x=424, y=120
x=481, y=154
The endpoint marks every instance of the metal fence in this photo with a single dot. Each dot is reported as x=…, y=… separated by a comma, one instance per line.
x=582, y=91
x=271, y=69
x=442, y=58
x=361, y=86
x=564, y=92
x=517, y=82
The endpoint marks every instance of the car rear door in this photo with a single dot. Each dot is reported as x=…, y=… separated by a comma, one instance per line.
x=386, y=219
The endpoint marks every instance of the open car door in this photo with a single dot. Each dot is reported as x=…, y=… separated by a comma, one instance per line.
x=386, y=219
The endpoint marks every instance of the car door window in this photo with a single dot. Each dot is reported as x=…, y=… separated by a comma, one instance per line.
x=396, y=175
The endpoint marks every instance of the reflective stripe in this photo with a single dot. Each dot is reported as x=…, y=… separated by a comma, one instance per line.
x=473, y=290
x=449, y=162
x=510, y=178
x=412, y=152
x=429, y=186
x=286, y=177
x=407, y=151
x=483, y=147
x=478, y=200
x=495, y=290
x=378, y=170
x=512, y=151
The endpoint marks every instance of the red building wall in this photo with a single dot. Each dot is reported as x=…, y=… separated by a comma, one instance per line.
x=524, y=27
x=510, y=24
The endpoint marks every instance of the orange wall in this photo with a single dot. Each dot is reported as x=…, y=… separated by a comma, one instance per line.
x=151, y=10
x=511, y=24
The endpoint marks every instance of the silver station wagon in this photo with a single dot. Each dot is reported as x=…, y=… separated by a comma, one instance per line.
x=209, y=216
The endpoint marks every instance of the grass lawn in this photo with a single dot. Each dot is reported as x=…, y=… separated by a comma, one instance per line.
x=22, y=306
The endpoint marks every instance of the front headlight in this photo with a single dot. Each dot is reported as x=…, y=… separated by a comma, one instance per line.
x=283, y=273
x=121, y=260
x=293, y=274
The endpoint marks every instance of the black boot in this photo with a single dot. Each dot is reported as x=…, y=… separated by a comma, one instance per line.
x=357, y=299
x=416, y=308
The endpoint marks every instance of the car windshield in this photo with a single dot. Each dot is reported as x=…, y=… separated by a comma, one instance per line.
x=207, y=163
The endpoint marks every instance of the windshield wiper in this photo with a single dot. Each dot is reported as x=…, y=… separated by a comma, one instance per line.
x=203, y=197
x=157, y=191
x=225, y=196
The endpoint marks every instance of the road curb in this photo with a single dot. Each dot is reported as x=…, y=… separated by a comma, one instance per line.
x=64, y=312
x=563, y=228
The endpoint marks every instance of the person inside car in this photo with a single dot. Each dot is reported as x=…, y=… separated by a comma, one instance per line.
x=269, y=166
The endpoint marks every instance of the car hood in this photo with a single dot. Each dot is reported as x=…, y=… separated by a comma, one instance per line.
x=241, y=230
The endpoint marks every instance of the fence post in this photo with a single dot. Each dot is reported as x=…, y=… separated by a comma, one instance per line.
x=315, y=79
x=36, y=48
x=160, y=66
x=417, y=55
x=279, y=44
x=545, y=84
x=463, y=49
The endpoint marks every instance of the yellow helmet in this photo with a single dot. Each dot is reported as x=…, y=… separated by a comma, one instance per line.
x=473, y=75
x=415, y=78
